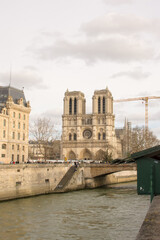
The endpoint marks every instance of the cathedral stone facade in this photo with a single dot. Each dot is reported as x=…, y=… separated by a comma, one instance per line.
x=89, y=136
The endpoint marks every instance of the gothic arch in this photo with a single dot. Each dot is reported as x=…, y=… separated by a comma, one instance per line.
x=75, y=137
x=86, y=154
x=71, y=155
x=99, y=136
x=100, y=155
x=104, y=105
x=70, y=106
x=75, y=106
x=99, y=105
x=104, y=136
x=70, y=137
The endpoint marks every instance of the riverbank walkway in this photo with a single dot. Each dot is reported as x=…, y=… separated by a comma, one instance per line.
x=150, y=229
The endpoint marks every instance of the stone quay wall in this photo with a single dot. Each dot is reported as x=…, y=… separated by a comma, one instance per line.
x=23, y=180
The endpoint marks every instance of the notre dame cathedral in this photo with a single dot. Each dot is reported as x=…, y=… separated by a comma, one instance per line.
x=89, y=136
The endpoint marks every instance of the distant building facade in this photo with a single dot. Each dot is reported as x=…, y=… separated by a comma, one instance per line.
x=49, y=150
x=89, y=136
x=14, y=125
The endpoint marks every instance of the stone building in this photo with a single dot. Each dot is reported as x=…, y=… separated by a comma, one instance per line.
x=48, y=150
x=89, y=136
x=14, y=125
x=124, y=134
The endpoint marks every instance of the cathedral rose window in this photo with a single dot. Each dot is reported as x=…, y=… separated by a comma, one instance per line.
x=87, y=133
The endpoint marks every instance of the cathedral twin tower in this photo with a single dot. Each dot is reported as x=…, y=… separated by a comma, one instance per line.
x=89, y=136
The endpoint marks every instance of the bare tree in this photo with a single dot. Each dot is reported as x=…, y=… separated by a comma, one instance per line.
x=42, y=132
x=105, y=156
x=141, y=139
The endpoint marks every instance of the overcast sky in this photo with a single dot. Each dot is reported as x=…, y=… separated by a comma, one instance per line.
x=49, y=46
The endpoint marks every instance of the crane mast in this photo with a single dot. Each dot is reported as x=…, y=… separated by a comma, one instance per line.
x=145, y=99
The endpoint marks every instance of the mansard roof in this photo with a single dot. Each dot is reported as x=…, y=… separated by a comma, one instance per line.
x=15, y=93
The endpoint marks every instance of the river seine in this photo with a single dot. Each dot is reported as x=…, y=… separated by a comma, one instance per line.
x=105, y=213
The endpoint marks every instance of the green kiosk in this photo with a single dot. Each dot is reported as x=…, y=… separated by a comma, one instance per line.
x=148, y=171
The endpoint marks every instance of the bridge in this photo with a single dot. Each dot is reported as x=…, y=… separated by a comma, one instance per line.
x=92, y=175
x=98, y=170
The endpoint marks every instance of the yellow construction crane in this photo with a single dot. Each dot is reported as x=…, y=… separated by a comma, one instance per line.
x=145, y=99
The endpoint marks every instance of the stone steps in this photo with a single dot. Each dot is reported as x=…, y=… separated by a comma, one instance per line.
x=67, y=177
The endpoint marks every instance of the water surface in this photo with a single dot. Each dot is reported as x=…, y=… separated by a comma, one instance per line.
x=105, y=213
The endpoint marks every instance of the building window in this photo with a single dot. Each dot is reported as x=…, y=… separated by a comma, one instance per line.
x=99, y=136
x=4, y=122
x=13, y=135
x=99, y=105
x=70, y=137
x=12, y=147
x=104, y=136
x=3, y=155
x=12, y=157
x=23, y=148
x=4, y=133
x=14, y=114
x=23, y=126
x=22, y=158
x=19, y=115
x=70, y=106
x=104, y=104
x=18, y=147
x=75, y=106
x=13, y=124
x=18, y=158
x=4, y=146
x=75, y=136
x=24, y=117
x=23, y=136
x=18, y=136
x=19, y=125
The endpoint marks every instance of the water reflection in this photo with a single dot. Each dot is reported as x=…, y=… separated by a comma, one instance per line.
x=104, y=213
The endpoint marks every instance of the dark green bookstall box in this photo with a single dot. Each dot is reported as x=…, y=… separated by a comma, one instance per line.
x=148, y=171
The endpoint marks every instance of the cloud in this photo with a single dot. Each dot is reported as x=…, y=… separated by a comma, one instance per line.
x=156, y=132
x=136, y=74
x=24, y=78
x=54, y=115
x=117, y=2
x=48, y=34
x=115, y=23
x=112, y=37
x=135, y=119
x=155, y=116
x=121, y=49
x=30, y=68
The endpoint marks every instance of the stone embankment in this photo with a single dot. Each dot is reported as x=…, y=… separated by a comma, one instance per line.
x=150, y=229
x=23, y=180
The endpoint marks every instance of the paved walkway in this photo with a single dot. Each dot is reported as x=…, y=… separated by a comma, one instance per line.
x=150, y=229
